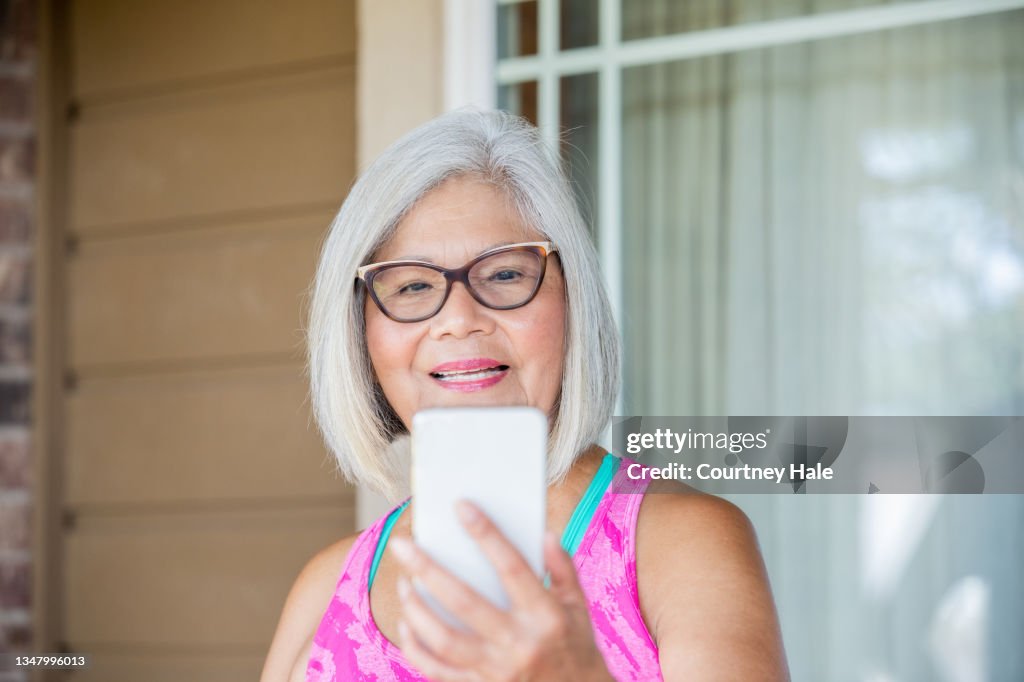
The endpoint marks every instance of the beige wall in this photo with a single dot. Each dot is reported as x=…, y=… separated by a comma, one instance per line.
x=210, y=144
x=398, y=89
x=401, y=80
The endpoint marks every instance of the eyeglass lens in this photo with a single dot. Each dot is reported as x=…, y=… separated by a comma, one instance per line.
x=506, y=279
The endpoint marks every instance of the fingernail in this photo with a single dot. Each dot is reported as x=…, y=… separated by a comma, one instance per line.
x=403, y=631
x=402, y=549
x=468, y=513
x=403, y=589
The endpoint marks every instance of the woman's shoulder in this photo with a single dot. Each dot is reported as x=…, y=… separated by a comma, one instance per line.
x=303, y=609
x=677, y=511
x=680, y=527
x=679, y=523
x=699, y=564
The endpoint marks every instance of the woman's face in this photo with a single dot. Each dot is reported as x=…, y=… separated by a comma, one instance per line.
x=450, y=226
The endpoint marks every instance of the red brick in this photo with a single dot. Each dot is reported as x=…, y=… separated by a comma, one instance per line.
x=15, y=98
x=18, y=30
x=15, y=638
x=15, y=464
x=15, y=221
x=15, y=524
x=16, y=342
x=15, y=585
x=15, y=402
x=17, y=159
x=15, y=277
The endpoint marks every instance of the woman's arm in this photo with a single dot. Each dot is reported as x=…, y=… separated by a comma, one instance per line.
x=704, y=592
x=303, y=609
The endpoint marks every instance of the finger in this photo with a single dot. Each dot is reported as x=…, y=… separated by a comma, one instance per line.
x=520, y=582
x=474, y=610
x=425, y=662
x=447, y=643
x=565, y=583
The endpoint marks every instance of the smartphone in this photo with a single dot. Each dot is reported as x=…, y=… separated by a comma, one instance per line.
x=494, y=457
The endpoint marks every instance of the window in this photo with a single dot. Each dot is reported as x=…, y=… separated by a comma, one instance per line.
x=813, y=207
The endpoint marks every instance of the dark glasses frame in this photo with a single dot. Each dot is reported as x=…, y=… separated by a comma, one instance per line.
x=367, y=273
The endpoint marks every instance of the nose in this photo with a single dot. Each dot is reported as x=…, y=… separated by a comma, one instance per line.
x=461, y=315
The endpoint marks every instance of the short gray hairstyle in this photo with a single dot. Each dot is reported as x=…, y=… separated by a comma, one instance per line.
x=356, y=420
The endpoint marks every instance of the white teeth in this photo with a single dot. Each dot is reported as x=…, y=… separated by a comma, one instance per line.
x=467, y=376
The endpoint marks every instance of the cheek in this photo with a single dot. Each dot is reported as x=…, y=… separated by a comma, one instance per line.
x=553, y=333
x=389, y=348
x=545, y=345
x=552, y=317
x=392, y=349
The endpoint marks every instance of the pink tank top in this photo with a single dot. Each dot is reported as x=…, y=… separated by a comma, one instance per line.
x=349, y=646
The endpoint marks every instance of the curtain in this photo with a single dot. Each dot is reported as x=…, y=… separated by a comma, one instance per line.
x=837, y=227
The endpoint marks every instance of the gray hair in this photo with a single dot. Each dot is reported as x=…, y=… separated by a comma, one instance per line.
x=356, y=420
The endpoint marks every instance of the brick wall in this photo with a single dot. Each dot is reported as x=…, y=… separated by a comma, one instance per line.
x=17, y=187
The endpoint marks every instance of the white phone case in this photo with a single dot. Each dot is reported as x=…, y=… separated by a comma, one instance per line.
x=494, y=457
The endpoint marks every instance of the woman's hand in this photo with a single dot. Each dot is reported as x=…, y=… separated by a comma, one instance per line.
x=545, y=635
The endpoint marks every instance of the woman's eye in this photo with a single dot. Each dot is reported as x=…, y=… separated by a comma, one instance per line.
x=505, y=276
x=414, y=288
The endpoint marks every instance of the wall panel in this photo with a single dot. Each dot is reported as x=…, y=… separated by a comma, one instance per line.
x=171, y=667
x=199, y=437
x=286, y=144
x=210, y=143
x=189, y=581
x=122, y=44
x=193, y=295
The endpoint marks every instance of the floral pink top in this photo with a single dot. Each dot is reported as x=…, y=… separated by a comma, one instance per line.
x=349, y=646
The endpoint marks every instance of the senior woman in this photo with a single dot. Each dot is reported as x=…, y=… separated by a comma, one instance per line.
x=459, y=272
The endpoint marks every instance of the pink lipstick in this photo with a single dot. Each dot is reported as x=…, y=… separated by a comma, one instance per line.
x=469, y=375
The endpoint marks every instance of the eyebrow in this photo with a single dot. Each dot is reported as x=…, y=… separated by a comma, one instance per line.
x=428, y=259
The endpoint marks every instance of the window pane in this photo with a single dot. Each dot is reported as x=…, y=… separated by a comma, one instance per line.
x=829, y=228
x=837, y=227
x=519, y=98
x=579, y=141
x=579, y=23
x=517, y=29
x=650, y=18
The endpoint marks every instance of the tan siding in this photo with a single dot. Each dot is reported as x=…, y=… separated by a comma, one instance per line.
x=202, y=436
x=211, y=145
x=171, y=667
x=286, y=144
x=122, y=44
x=192, y=295
x=189, y=581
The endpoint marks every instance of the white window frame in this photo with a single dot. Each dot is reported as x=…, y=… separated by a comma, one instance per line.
x=611, y=55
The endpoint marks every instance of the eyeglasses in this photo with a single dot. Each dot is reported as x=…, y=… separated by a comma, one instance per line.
x=502, y=278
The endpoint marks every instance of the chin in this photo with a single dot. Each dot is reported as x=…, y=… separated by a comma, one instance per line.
x=445, y=398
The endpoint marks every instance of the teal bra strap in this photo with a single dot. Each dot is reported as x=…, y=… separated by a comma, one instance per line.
x=574, y=531
x=385, y=533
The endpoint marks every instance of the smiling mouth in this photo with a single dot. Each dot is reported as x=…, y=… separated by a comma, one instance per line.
x=470, y=374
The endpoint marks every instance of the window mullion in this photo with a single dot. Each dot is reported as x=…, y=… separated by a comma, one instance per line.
x=609, y=121
x=548, y=100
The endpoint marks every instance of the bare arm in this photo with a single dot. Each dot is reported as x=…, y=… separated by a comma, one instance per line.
x=704, y=591
x=303, y=609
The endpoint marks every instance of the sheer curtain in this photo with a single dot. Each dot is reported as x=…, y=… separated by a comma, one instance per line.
x=837, y=227
x=834, y=227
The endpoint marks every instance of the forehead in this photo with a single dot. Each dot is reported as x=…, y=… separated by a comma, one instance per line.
x=454, y=222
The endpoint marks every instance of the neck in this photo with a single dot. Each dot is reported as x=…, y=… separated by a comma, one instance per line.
x=563, y=497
